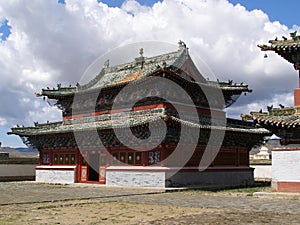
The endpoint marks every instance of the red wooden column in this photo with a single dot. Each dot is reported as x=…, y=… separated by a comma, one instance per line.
x=40, y=157
x=299, y=79
x=237, y=157
x=297, y=92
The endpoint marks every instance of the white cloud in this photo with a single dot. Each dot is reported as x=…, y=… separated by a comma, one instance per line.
x=52, y=43
x=42, y=115
x=3, y=121
x=286, y=99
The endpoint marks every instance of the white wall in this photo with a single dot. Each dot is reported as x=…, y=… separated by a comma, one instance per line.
x=56, y=174
x=286, y=166
x=156, y=177
x=262, y=172
x=134, y=178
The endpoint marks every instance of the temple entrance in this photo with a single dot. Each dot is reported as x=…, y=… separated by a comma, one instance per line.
x=93, y=167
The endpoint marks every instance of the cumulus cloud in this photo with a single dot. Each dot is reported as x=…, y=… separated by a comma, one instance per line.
x=54, y=43
x=285, y=99
x=3, y=121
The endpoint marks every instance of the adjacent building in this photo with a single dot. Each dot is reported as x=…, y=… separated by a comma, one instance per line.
x=284, y=122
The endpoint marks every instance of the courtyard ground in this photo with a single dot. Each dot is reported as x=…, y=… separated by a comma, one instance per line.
x=33, y=203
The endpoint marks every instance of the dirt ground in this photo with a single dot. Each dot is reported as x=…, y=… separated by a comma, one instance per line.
x=186, y=207
x=87, y=212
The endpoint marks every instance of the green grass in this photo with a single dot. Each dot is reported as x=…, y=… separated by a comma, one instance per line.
x=244, y=190
x=247, y=190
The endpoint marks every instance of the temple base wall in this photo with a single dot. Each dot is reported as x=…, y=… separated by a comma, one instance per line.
x=135, y=177
x=285, y=169
x=212, y=179
x=56, y=174
x=162, y=177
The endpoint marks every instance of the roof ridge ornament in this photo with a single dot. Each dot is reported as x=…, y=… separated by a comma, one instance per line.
x=294, y=36
x=182, y=45
x=106, y=64
x=141, y=59
x=141, y=52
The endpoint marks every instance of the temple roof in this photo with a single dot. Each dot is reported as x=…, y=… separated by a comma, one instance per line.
x=284, y=122
x=141, y=67
x=276, y=117
x=125, y=73
x=131, y=119
x=178, y=62
x=289, y=49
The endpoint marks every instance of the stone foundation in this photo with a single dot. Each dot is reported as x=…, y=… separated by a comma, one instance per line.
x=135, y=176
x=218, y=179
x=161, y=177
x=56, y=174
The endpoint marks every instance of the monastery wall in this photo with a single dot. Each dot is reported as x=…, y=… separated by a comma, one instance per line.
x=14, y=172
x=17, y=169
x=286, y=169
x=262, y=172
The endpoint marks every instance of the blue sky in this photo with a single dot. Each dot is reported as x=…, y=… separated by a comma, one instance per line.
x=118, y=3
x=4, y=29
x=52, y=43
x=285, y=11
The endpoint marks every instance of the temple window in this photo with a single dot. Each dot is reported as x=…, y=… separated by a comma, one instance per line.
x=131, y=158
x=153, y=157
x=55, y=159
x=115, y=157
x=61, y=159
x=45, y=158
x=138, y=158
x=122, y=157
x=64, y=159
x=72, y=159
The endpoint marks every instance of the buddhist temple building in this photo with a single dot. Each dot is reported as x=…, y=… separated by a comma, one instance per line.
x=284, y=122
x=85, y=146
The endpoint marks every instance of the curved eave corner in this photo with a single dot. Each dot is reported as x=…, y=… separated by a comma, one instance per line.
x=59, y=92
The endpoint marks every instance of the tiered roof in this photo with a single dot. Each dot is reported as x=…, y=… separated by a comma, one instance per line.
x=276, y=117
x=279, y=120
x=114, y=76
x=131, y=119
x=289, y=49
x=284, y=122
x=178, y=62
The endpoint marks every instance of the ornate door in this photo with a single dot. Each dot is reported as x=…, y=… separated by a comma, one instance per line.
x=83, y=170
x=102, y=168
